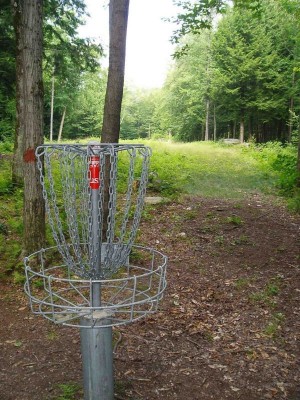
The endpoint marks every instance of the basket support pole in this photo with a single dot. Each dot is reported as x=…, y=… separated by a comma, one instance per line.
x=96, y=342
x=97, y=362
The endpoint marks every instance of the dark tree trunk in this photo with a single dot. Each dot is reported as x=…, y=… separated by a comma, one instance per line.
x=118, y=18
x=29, y=38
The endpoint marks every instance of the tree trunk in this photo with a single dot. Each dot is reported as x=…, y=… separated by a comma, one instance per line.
x=242, y=129
x=215, y=124
x=118, y=18
x=52, y=108
x=17, y=165
x=61, y=124
x=291, y=111
x=207, y=121
x=29, y=39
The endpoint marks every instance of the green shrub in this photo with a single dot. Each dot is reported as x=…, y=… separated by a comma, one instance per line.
x=286, y=166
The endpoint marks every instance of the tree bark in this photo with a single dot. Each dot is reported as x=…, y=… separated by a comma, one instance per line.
x=17, y=164
x=118, y=18
x=29, y=38
x=206, y=137
x=291, y=111
x=52, y=108
x=61, y=124
x=215, y=124
x=242, y=129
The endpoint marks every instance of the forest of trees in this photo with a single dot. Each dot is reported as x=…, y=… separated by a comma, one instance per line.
x=238, y=78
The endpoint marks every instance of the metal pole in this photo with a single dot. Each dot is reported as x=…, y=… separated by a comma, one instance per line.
x=97, y=361
x=96, y=342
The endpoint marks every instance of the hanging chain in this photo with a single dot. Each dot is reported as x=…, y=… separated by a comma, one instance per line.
x=94, y=227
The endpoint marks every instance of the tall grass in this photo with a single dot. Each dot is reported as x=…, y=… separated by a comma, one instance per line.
x=203, y=168
x=208, y=169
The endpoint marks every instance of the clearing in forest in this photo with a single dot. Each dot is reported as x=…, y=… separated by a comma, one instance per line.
x=229, y=324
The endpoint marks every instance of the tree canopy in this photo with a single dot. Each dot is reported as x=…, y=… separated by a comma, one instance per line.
x=237, y=76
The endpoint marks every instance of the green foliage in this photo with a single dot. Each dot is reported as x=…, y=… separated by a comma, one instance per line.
x=234, y=220
x=68, y=391
x=207, y=168
x=7, y=68
x=84, y=113
x=280, y=161
x=275, y=325
x=6, y=147
x=6, y=185
x=285, y=164
x=270, y=291
x=139, y=114
x=294, y=202
x=65, y=54
x=247, y=75
x=19, y=278
x=11, y=225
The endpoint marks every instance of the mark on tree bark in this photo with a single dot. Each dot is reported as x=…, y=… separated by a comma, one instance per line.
x=29, y=155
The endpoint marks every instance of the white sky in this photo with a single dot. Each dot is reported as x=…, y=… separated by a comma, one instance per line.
x=148, y=38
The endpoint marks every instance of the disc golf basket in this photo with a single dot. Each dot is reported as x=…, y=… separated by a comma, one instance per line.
x=94, y=277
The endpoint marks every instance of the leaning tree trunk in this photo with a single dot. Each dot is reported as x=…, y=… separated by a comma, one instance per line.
x=61, y=124
x=29, y=38
x=118, y=17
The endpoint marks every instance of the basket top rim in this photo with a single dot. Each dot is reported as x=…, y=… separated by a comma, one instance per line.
x=91, y=147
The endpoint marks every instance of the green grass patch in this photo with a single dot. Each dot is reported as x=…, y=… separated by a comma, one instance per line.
x=234, y=220
x=269, y=293
x=68, y=391
x=208, y=169
x=242, y=283
x=274, y=326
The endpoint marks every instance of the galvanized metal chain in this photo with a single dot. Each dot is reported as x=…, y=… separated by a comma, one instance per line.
x=94, y=229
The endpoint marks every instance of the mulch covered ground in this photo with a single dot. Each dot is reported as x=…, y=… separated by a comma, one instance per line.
x=228, y=327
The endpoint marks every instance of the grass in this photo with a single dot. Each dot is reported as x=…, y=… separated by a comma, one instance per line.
x=68, y=391
x=203, y=168
x=274, y=326
x=269, y=293
x=234, y=220
x=208, y=169
x=242, y=283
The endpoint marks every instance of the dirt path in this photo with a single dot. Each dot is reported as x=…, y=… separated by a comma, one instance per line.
x=227, y=329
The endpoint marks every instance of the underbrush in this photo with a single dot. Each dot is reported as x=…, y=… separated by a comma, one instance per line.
x=281, y=161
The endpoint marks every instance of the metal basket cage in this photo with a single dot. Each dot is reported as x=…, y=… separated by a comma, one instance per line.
x=94, y=198
x=56, y=293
